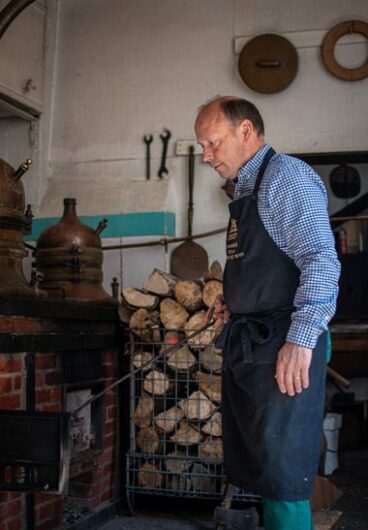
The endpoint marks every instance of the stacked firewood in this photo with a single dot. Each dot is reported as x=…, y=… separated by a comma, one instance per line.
x=177, y=416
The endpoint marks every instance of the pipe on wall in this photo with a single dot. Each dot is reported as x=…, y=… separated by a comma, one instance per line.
x=10, y=12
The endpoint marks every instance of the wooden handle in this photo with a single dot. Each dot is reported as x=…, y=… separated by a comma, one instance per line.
x=338, y=377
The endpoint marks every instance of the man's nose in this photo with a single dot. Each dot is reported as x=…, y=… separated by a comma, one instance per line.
x=207, y=155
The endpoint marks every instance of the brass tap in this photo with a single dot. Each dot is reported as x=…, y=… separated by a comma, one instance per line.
x=22, y=169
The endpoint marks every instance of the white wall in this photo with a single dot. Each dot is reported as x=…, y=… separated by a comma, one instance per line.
x=126, y=68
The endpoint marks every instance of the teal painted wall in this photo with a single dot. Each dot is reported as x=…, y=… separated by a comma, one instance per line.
x=119, y=225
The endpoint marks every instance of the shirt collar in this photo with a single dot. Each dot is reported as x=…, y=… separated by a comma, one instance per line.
x=251, y=167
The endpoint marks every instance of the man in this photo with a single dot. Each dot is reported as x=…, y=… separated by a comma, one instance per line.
x=280, y=289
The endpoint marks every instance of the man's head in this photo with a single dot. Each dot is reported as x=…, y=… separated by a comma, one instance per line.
x=230, y=131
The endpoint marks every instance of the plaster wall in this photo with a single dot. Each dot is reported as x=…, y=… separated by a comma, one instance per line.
x=128, y=68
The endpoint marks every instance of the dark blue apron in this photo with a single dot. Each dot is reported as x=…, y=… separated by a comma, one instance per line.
x=271, y=440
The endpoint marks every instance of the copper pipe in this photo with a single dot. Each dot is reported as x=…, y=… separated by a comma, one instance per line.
x=10, y=13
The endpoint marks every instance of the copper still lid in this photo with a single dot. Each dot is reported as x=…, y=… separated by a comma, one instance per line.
x=268, y=63
x=69, y=256
x=69, y=232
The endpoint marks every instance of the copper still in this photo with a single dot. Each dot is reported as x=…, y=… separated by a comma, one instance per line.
x=14, y=222
x=69, y=256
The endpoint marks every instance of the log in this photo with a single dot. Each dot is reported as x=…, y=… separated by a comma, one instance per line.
x=211, y=290
x=157, y=383
x=178, y=482
x=125, y=312
x=211, y=448
x=143, y=413
x=146, y=323
x=210, y=385
x=172, y=314
x=202, y=479
x=181, y=360
x=189, y=294
x=172, y=337
x=148, y=440
x=175, y=462
x=194, y=323
x=138, y=299
x=186, y=435
x=168, y=420
x=149, y=476
x=197, y=406
x=160, y=283
x=214, y=272
x=142, y=357
x=211, y=359
x=213, y=427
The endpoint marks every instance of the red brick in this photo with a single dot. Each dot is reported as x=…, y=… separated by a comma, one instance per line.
x=6, y=384
x=109, y=357
x=106, y=457
x=17, y=382
x=53, y=378
x=2, y=526
x=51, y=524
x=110, y=440
x=46, y=360
x=14, y=524
x=10, y=364
x=110, y=399
x=9, y=402
x=10, y=509
x=111, y=412
x=110, y=427
x=46, y=407
x=40, y=379
x=108, y=371
x=3, y=496
x=50, y=510
x=48, y=395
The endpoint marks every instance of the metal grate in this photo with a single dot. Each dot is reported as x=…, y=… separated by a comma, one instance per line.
x=175, y=419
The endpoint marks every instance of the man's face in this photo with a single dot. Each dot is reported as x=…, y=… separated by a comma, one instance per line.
x=223, y=144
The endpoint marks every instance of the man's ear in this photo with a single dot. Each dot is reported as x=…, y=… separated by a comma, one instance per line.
x=246, y=128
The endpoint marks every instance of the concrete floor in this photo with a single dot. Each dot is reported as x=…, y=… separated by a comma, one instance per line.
x=167, y=514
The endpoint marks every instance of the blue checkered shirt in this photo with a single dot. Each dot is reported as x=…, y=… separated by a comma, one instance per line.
x=292, y=204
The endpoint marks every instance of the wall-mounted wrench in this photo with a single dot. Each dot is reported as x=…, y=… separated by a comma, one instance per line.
x=147, y=140
x=165, y=139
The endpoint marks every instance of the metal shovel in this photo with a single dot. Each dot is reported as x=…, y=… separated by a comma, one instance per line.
x=189, y=260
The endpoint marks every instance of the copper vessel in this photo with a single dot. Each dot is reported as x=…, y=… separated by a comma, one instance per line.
x=69, y=256
x=14, y=222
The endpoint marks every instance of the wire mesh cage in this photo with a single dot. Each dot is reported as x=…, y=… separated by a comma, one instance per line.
x=175, y=418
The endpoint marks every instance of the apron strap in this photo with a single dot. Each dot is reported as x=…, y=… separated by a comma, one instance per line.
x=261, y=171
x=251, y=329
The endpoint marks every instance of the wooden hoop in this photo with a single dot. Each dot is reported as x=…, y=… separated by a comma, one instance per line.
x=329, y=43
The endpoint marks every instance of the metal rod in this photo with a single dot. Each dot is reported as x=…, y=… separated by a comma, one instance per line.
x=164, y=241
x=147, y=363
x=10, y=13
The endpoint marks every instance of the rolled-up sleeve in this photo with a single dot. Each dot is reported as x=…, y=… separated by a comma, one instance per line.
x=298, y=206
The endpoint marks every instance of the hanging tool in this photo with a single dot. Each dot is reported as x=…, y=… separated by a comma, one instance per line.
x=165, y=142
x=148, y=140
x=189, y=260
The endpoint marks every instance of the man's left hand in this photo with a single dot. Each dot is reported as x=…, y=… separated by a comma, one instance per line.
x=292, y=368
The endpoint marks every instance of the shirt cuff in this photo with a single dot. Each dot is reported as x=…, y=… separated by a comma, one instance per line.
x=303, y=334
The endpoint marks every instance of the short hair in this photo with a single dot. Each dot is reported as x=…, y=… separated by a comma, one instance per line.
x=237, y=110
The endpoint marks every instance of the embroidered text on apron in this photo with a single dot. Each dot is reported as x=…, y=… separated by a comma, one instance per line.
x=271, y=440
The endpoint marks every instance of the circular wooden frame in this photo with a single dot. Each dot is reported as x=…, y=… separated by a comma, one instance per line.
x=329, y=43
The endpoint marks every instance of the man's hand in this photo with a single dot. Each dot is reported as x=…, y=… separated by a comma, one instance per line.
x=292, y=368
x=221, y=314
